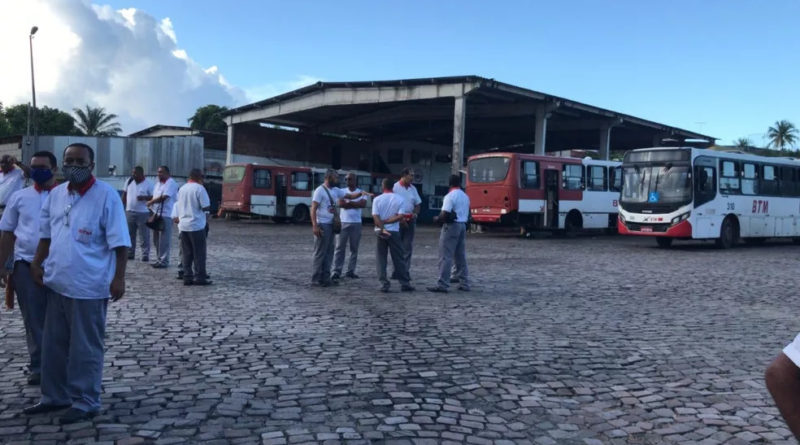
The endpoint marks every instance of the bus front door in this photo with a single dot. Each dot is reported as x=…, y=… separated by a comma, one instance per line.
x=280, y=196
x=551, y=184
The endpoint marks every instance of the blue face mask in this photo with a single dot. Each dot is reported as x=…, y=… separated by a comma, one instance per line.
x=41, y=175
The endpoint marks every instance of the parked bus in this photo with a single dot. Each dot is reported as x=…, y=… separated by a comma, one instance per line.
x=543, y=192
x=282, y=192
x=689, y=193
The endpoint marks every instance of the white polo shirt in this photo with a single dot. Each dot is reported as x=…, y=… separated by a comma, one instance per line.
x=458, y=201
x=192, y=198
x=168, y=188
x=9, y=183
x=325, y=205
x=22, y=216
x=409, y=195
x=351, y=216
x=386, y=206
x=134, y=190
x=83, y=230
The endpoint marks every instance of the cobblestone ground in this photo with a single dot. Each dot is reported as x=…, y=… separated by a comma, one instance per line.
x=592, y=340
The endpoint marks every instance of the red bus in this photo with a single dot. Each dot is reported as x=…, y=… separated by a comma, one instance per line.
x=543, y=192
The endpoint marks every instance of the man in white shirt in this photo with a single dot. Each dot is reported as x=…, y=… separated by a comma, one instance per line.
x=190, y=214
x=386, y=213
x=81, y=258
x=165, y=194
x=323, y=208
x=405, y=189
x=452, y=240
x=138, y=191
x=20, y=235
x=350, y=214
x=11, y=178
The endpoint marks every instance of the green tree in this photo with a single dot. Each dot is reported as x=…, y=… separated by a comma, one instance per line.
x=51, y=121
x=4, y=127
x=782, y=134
x=742, y=143
x=96, y=122
x=209, y=118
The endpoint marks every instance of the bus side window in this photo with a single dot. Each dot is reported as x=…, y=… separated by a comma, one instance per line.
x=597, y=178
x=705, y=185
x=529, y=176
x=573, y=177
x=729, y=178
x=301, y=181
x=262, y=179
x=615, y=181
x=749, y=179
x=769, y=181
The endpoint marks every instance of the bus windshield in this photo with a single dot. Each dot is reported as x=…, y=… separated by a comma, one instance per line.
x=665, y=184
x=233, y=174
x=491, y=169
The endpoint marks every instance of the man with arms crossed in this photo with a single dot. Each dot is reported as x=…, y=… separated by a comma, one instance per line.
x=386, y=213
x=350, y=214
x=81, y=258
x=20, y=234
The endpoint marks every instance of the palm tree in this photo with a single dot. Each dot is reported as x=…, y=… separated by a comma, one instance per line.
x=783, y=134
x=95, y=122
x=742, y=143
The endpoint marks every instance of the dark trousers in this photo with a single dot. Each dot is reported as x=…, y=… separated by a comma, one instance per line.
x=72, y=351
x=323, y=254
x=32, y=300
x=194, y=255
x=407, y=240
x=394, y=247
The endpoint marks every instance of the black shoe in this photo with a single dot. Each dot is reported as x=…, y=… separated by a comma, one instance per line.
x=188, y=282
x=131, y=257
x=202, y=282
x=160, y=266
x=454, y=280
x=407, y=288
x=34, y=379
x=321, y=284
x=145, y=259
x=464, y=288
x=75, y=415
x=336, y=277
x=180, y=275
x=385, y=289
x=437, y=289
x=351, y=275
x=41, y=408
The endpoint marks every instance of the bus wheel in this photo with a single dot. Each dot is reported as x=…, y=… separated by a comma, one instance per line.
x=300, y=214
x=728, y=234
x=664, y=242
x=573, y=224
x=231, y=216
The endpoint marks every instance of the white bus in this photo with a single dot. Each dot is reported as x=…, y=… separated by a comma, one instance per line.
x=690, y=193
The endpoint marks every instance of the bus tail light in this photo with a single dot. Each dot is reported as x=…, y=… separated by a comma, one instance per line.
x=503, y=211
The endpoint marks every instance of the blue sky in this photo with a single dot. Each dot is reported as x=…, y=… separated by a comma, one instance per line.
x=724, y=68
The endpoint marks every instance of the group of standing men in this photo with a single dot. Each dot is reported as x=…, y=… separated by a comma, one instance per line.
x=394, y=213
x=70, y=245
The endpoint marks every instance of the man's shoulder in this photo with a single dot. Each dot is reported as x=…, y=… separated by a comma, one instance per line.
x=101, y=186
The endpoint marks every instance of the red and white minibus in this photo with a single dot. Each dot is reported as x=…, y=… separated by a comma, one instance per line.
x=689, y=193
x=543, y=192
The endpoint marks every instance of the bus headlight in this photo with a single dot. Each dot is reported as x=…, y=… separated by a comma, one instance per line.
x=621, y=217
x=680, y=218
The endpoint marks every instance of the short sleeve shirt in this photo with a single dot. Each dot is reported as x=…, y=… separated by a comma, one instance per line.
x=325, y=206
x=167, y=188
x=409, y=195
x=134, y=190
x=9, y=183
x=22, y=216
x=83, y=230
x=457, y=201
x=386, y=206
x=192, y=199
x=351, y=216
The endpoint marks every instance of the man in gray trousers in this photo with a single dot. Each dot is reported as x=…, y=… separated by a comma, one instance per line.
x=350, y=214
x=452, y=240
x=387, y=213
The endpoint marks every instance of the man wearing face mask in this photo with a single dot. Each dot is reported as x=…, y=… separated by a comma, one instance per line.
x=138, y=192
x=81, y=258
x=20, y=234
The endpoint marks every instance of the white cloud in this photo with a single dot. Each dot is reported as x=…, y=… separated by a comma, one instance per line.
x=126, y=61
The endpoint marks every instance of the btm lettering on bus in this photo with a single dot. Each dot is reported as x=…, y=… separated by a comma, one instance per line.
x=760, y=206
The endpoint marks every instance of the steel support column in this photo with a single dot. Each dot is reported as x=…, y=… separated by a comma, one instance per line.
x=459, y=122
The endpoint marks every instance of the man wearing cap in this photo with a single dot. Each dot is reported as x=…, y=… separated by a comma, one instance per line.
x=81, y=258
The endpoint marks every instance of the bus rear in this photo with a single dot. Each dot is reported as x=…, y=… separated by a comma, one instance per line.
x=235, y=193
x=492, y=190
